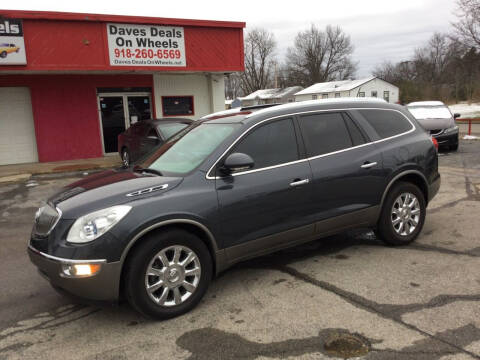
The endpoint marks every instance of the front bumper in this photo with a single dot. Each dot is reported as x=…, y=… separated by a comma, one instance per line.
x=449, y=139
x=103, y=286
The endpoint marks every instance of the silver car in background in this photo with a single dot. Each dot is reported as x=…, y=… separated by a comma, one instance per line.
x=436, y=118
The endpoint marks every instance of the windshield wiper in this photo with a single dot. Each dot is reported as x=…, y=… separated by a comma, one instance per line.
x=147, y=170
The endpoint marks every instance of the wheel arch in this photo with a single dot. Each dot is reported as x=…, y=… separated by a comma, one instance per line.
x=189, y=225
x=412, y=176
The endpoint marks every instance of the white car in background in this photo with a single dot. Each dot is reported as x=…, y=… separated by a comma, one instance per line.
x=436, y=118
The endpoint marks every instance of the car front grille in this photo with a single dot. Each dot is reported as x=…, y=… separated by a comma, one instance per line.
x=436, y=132
x=46, y=220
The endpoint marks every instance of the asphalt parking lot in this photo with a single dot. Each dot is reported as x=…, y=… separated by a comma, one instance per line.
x=339, y=297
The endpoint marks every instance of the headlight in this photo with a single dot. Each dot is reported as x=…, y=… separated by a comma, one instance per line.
x=451, y=130
x=91, y=226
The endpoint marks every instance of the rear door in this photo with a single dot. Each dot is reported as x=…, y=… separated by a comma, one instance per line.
x=136, y=134
x=346, y=166
x=271, y=201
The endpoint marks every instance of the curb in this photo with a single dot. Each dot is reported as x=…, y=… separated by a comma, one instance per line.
x=14, y=178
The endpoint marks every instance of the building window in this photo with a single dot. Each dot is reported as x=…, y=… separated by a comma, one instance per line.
x=386, y=96
x=337, y=95
x=324, y=96
x=177, y=105
x=314, y=97
x=361, y=94
x=374, y=93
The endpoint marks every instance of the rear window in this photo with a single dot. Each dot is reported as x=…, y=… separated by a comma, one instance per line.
x=386, y=123
x=430, y=112
x=170, y=129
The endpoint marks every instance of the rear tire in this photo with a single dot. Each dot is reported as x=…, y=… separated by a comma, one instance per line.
x=157, y=284
x=403, y=214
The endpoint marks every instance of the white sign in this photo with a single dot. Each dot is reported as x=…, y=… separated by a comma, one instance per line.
x=12, y=45
x=145, y=45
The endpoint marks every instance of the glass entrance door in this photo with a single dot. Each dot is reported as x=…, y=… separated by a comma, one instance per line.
x=138, y=108
x=113, y=121
x=118, y=111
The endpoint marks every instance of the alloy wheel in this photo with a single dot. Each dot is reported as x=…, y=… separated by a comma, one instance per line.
x=172, y=276
x=125, y=159
x=405, y=214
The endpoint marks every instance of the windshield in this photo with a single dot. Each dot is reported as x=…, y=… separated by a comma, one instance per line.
x=189, y=148
x=430, y=112
x=170, y=129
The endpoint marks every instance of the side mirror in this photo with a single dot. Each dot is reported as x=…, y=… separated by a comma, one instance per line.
x=237, y=162
x=456, y=115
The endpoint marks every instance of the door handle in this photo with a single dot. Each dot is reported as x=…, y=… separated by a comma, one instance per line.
x=368, y=165
x=298, y=182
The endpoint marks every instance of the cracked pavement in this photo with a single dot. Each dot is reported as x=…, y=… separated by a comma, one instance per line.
x=416, y=302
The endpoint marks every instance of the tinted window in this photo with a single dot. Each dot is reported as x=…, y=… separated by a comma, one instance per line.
x=355, y=133
x=177, y=105
x=152, y=133
x=386, y=122
x=271, y=144
x=325, y=133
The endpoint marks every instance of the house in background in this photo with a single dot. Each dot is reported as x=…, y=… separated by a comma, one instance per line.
x=271, y=96
x=369, y=87
x=233, y=103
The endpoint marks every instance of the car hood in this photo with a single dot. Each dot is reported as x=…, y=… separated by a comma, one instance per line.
x=434, y=124
x=108, y=188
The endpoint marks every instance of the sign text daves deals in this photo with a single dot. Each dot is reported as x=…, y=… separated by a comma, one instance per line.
x=145, y=45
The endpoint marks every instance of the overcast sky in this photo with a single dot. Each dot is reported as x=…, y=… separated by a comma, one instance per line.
x=380, y=29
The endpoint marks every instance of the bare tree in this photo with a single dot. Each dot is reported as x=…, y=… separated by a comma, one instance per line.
x=233, y=86
x=259, y=58
x=319, y=56
x=468, y=25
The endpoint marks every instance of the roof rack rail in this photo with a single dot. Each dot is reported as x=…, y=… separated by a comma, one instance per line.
x=262, y=106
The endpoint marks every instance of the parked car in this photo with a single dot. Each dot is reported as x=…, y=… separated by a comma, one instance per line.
x=436, y=118
x=143, y=136
x=231, y=187
x=6, y=49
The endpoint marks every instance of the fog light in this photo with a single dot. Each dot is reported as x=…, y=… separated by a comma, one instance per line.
x=80, y=270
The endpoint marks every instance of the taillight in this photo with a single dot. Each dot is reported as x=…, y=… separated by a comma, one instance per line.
x=435, y=142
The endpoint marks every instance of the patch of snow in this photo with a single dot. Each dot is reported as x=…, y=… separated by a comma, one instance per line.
x=470, y=137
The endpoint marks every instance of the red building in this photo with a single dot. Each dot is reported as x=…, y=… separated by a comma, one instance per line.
x=69, y=83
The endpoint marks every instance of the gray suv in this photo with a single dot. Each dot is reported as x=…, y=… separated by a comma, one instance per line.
x=231, y=187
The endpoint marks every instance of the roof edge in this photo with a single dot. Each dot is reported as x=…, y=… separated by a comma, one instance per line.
x=70, y=16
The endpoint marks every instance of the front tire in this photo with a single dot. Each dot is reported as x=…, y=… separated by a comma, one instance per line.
x=168, y=274
x=403, y=214
x=3, y=54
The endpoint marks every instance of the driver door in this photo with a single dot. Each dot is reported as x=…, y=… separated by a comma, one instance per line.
x=267, y=206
